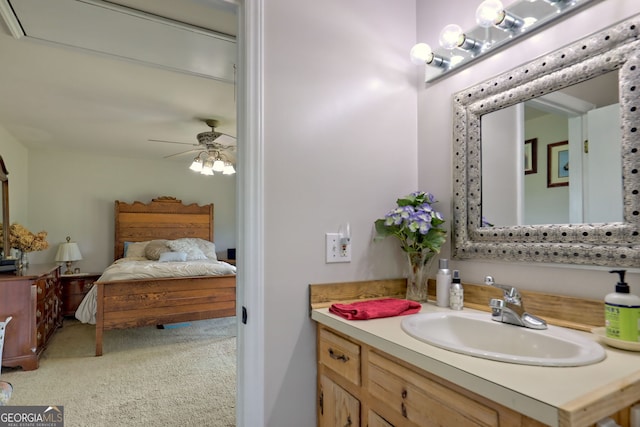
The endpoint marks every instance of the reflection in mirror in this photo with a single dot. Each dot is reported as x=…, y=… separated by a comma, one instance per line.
x=530, y=182
x=599, y=229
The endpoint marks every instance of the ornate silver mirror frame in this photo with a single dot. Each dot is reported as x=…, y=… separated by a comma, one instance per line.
x=606, y=244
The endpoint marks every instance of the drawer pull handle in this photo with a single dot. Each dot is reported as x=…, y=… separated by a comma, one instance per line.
x=404, y=410
x=337, y=356
x=348, y=421
x=404, y=394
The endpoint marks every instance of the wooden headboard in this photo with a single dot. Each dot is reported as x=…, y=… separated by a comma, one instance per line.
x=163, y=218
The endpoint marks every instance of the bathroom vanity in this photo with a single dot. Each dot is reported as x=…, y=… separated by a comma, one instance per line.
x=372, y=373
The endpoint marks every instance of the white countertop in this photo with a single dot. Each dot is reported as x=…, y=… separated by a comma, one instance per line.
x=536, y=391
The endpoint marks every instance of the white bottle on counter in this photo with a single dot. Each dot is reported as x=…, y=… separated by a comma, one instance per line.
x=456, y=295
x=443, y=283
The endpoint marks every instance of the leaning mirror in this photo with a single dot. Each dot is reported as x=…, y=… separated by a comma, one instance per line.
x=493, y=147
x=4, y=178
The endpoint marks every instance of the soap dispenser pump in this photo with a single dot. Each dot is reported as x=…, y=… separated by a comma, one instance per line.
x=622, y=312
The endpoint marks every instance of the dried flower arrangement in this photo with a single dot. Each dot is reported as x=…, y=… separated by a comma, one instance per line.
x=24, y=240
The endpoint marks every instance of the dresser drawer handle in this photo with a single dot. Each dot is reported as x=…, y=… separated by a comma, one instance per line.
x=349, y=422
x=337, y=356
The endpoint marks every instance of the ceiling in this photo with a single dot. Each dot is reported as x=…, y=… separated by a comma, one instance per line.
x=59, y=97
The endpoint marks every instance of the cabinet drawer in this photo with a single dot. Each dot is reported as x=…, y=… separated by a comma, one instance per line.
x=340, y=355
x=80, y=286
x=422, y=400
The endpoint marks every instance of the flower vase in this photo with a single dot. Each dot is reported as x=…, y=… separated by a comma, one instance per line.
x=417, y=279
x=24, y=259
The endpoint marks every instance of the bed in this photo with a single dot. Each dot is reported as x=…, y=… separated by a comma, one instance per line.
x=122, y=302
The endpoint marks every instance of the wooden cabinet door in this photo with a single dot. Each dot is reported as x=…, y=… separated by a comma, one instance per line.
x=376, y=420
x=337, y=407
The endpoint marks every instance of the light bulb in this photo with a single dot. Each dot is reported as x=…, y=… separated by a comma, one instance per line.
x=489, y=13
x=228, y=169
x=196, y=166
x=451, y=36
x=421, y=54
x=207, y=167
x=218, y=165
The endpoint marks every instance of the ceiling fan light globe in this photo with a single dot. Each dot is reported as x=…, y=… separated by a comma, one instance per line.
x=228, y=169
x=196, y=166
x=218, y=165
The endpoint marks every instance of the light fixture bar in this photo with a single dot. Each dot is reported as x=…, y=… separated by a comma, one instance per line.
x=497, y=27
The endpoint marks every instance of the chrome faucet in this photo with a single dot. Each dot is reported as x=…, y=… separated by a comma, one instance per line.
x=510, y=309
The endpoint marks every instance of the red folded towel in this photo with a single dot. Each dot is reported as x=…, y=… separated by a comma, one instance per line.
x=372, y=309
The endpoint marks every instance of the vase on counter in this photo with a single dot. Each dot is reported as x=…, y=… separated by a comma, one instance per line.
x=417, y=279
x=24, y=259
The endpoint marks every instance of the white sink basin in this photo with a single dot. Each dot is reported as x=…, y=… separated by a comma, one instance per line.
x=475, y=334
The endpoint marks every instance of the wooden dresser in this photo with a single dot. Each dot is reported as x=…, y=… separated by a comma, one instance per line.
x=34, y=300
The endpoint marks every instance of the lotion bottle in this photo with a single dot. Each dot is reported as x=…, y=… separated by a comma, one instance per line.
x=456, y=295
x=622, y=312
x=443, y=283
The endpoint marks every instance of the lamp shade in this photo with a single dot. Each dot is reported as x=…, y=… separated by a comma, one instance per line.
x=68, y=252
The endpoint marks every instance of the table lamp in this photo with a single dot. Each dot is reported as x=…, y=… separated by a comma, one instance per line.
x=68, y=252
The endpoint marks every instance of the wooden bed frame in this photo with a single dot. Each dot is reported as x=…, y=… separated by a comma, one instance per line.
x=146, y=302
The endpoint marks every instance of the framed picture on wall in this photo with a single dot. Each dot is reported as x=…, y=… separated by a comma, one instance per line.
x=558, y=164
x=531, y=156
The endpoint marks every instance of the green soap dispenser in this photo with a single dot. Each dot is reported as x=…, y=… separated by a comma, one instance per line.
x=622, y=312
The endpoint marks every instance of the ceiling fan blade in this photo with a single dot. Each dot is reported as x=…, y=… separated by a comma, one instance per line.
x=173, y=142
x=182, y=152
x=225, y=139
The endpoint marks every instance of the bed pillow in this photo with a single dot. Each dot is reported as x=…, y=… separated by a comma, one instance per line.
x=187, y=246
x=155, y=248
x=135, y=249
x=172, y=257
x=208, y=248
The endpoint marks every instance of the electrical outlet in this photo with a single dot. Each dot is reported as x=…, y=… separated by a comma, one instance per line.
x=335, y=251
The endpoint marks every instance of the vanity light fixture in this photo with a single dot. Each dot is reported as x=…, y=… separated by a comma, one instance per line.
x=452, y=36
x=496, y=26
x=492, y=12
x=422, y=53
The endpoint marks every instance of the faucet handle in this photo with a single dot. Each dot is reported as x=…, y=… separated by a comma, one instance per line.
x=511, y=293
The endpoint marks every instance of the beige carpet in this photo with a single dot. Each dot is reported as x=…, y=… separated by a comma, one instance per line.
x=147, y=376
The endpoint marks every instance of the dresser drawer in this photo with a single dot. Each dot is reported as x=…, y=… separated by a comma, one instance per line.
x=422, y=400
x=340, y=355
x=78, y=286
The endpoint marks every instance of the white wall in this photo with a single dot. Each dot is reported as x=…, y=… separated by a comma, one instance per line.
x=435, y=131
x=73, y=194
x=545, y=205
x=340, y=131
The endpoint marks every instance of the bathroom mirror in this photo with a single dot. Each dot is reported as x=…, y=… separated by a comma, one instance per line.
x=615, y=243
x=532, y=192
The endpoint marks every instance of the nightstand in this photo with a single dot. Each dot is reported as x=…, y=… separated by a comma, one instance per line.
x=74, y=288
x=228, y=261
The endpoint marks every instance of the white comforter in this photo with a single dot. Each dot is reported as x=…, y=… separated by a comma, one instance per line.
x=142, y=268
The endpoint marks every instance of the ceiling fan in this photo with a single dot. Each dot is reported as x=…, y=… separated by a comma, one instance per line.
x=210, y=141
x=214, y=151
